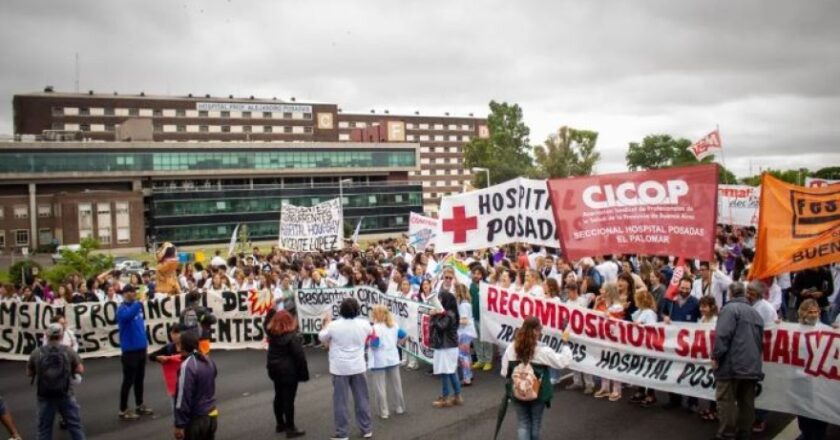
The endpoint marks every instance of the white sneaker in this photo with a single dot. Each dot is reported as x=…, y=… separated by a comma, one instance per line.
x=339, y=438
x=368, y=435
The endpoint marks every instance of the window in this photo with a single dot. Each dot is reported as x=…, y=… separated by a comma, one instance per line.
x=438, y=126
x=287, y=115
x=307, y=116
x=22, y=237
x=180, y=112
x=203, y=128
x=84, y=111
x=267, y=115
x=44, y=211
x=109, y=111
x=84, y=127
x=2, y=238
x=21, y=211
x=424, y=126
x=58, y=111
x=158, y=128
x=134, y=112
x=104, y=235
x=307, y=129
x=85, y=220
x=157, y=112
x=409, y=126
x=225, y=114
x=181, y=128
x=246, y=114
x=2, y=212
x=58, y=126
x=287, y=129
x=103, y=222
x=109, y=127
x=225, y=128
x=343, y=136
x=343, y=124
x=123, y=221
x=45, y=236
x=246, y=128
x=360, y=124
x=267, y=129
x=202, y=113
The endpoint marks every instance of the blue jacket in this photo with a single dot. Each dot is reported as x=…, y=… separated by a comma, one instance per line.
x=688, y=312
x=132, y=327
x=195, y=393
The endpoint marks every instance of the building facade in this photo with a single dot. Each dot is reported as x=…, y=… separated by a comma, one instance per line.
x=98, y=117
x=130, y=195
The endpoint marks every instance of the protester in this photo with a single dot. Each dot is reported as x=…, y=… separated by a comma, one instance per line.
x=736, y=361
x=644, y=315
x=8, y=421
x=525, y=352
x=287, y=367
x=611, y=305
x=197, y=319
x=814, y=283
x=684, y=308
x=169, y=358
x=712, y=282
x=466, y=333
x=347, y=338
x=55, y=368
x=708, y=315
x=443, y=330
x=385, y=372
x=133, y=344
x=196, y=416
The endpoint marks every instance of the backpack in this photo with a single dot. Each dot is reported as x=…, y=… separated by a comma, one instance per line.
x=526, y=384
x=53, y=372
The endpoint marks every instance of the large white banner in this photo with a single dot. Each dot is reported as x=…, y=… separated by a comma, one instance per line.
x=240, y=323
x=813, y=182
x=801, y=364
x=411, y=316
x=422, y=231
x=517, y=211
x=314, y=229
x=738, y=205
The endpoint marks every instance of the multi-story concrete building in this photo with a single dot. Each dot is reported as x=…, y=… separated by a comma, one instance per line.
x=98, y=117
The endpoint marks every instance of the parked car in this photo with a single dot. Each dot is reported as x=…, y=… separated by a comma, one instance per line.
x=56, y=257
x=129, y=266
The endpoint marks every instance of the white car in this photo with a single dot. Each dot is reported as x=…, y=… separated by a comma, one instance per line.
x=129, y=266
x=56, y=257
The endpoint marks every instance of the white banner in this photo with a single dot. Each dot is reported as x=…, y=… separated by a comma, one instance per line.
x=314, y=229
x=517, y=211
x=813, y=182
x=411, y=316
x=240, y=323
x=738, y=205
x=801, y=364
x=422, y=231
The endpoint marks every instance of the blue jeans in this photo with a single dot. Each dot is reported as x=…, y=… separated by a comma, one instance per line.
x=446, y=380
x=530, y=416
x=69, y=410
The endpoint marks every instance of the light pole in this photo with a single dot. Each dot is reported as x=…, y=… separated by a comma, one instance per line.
x=481, y=169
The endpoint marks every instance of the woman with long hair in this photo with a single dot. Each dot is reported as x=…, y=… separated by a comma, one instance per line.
x=644, y=315
x=611, y=305
x=287, y=367
x=385, y=372
x=525, y=349
x=466, y=332
x=444, y=341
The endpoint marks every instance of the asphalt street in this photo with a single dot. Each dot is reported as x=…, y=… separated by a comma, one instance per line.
x=245, y=393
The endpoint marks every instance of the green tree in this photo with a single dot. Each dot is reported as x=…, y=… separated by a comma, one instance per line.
x=664, y=151
x=569, y=152
x=506, y=152
x=827, y=173
x=24, y=268
x=84, y=262
x=796, y=177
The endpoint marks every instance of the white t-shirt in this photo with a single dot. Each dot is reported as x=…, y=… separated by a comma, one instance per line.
x=767, y=312
x=609, y=270
x=536, y=290
x=644, y=316
x=347, y=339
x=465, y=311
x=542, y=355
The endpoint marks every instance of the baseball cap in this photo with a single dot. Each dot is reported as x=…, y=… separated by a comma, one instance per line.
x=54, y=329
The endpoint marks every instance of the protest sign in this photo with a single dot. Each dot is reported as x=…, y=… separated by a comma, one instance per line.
x=798, y=227
x=517, y=211
x=738, y=205
x=411, y=316
x=813, y=182
x=22, y=325
x=667, y=211
x=801, y=364
x=422, y=231
x=314, y=229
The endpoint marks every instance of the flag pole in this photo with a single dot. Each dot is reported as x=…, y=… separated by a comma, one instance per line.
x=722, y=156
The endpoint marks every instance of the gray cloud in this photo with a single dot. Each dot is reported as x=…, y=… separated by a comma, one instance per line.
x=765, y=71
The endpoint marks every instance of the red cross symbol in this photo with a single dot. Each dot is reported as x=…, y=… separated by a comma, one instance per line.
x=460, y=224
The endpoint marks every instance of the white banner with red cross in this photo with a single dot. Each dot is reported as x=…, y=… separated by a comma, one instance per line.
x=517, y=211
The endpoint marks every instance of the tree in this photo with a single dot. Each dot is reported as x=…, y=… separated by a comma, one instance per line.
x=796, y=177
x=664, y=151
x=832, y=173
x=83, y=262
x=569, y=152
x=506, y=152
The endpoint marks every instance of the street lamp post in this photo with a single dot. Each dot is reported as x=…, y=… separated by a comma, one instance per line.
x=481, y=169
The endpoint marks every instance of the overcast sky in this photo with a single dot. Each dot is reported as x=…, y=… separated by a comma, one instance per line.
x=767, y=72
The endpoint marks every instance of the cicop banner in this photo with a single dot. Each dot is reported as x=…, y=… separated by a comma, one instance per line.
x=411, y=316
x=798, y=227
x=422, y=231
x=658, y=212
x=738, y=205
x=801, y=364
x=314, y=229
x=239, y=314
x=517, y=211
x=813, y=182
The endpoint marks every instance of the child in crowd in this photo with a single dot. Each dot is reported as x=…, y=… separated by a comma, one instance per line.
x=708, y=315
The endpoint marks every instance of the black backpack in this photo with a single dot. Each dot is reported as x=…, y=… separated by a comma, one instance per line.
x=53, y=372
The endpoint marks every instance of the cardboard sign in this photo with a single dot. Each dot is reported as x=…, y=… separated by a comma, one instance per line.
x=314, y=229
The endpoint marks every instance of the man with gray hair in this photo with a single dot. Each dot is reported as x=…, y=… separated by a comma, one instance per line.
x=736, y=361
x=756, y=295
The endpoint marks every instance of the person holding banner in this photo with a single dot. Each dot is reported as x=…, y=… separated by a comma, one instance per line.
x=466, y=333
x=525, y=350
x=443, y=330
x=385, y=372
x=484, y=351
x=683, y=308
x=809, y=316
x=612, y=306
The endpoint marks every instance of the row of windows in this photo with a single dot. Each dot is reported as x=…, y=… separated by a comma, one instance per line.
x=104, y=223
x=175, y=113
x=46, y=162
x=439, y=183
x=421, y=138
x=439, y=172
x=411, y=126
x=235, y=206
x=18, y=237
x=440, y=160
x=160, y=128
x=22, y=211
x=268, y=230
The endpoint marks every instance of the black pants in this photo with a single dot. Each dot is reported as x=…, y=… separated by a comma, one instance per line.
x=201, y=428
x=284, y=404
x=812, y=429
x=134, y=372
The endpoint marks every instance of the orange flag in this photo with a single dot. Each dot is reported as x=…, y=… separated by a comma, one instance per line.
x=798, y=227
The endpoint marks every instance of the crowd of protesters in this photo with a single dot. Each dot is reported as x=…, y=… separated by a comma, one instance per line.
x=628, y=287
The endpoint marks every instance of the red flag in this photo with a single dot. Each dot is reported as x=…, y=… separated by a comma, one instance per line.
x=674, y=285
x=708, y=145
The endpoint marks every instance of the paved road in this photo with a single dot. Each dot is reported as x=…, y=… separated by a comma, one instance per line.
x=245, y=395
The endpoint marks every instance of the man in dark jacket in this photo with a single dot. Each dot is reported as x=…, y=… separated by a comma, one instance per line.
x=736, y=361
x=195, y=395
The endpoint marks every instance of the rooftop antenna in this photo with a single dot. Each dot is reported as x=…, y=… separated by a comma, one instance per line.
x=77, y=72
